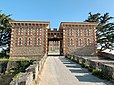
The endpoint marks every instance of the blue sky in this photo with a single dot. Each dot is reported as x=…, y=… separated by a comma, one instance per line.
x=55, y=11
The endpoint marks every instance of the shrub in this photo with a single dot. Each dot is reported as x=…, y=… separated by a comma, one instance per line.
x=23, y=64
x=82, y=65
x=97, y=72
x=17, y=75
x=90, y=69
x=103, y=74
x=71, y=57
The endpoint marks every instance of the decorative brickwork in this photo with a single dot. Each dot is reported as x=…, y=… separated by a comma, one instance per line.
x=31, y=38
x=79, y=38
x=28, y=38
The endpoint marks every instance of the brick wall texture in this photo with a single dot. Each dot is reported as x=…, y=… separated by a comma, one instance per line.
x=30, y=38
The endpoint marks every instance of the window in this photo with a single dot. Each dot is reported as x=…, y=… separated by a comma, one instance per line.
x=80, y=42
x=76, y=32
x=70, y=32
x=19, y=41
x=29, y=31
x=38, y=42
x=88, y=31
x=85, y=32
x=80, y=32
x=50, y=43
x=29, y=41
x=88, y=42
x=20, y=31
x=38, y=31
x=71, y=42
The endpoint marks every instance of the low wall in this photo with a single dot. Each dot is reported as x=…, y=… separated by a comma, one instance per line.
x=31, y=76
x=95, y=63
x=105, y=55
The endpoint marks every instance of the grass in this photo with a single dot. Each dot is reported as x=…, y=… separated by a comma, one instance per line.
x=4, y=59
x=17, y=75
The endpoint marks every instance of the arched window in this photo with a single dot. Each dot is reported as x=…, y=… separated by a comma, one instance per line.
x=19, y=41
x=70, y=32
x=29, y=41
x=71, y=42
x=80, y=42
x=38, y=42
x=88, y=42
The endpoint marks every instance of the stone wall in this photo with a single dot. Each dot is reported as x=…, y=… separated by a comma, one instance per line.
x=105, y=55
x=24, y=43
x=95, y=62
x=31, y=76
x=79, y=37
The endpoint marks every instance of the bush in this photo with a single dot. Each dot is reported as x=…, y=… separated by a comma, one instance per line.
x=103, y=74
x=97, y=72
x=23, y=64
x=82, y=65
x=90, y=69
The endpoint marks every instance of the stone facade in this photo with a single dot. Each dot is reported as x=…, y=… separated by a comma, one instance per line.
x=31, y=38
x=79, y=37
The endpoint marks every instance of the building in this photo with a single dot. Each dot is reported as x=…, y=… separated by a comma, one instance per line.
x=32, y=39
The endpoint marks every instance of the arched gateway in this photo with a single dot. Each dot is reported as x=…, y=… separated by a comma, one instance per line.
x=55, y=42
x=33, y=39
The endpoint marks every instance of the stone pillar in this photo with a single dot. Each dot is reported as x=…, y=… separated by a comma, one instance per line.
x=64, y=42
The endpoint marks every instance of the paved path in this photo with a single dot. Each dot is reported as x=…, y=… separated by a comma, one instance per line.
x=61, y=71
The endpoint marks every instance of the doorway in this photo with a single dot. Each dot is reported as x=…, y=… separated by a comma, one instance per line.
x=54, y=48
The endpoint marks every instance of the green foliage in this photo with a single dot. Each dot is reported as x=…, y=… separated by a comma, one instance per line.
x=97, y=72
x=17, y=75
x=5, y=32
x=83, y=65
x=90, y=69
x=3, y=66
x=23, y=64
x=71, y=57
x=103, y=74
x=105, y=30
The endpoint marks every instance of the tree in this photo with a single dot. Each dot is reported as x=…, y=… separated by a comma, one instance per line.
x=93, y=17
x=5, y=32
x=105, y=30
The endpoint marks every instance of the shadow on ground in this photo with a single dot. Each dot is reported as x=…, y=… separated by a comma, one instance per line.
x=82, y=74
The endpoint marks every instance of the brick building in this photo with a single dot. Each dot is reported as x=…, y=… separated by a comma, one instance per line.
x=34, y=38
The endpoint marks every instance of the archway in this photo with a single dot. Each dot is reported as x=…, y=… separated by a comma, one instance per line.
x=55, y=39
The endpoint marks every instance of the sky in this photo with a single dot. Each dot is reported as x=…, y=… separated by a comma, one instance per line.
x=55, y=11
